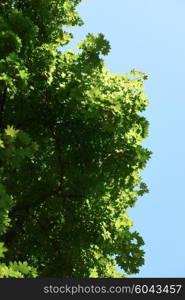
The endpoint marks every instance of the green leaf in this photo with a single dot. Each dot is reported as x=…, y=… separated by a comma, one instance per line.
x=10, y=130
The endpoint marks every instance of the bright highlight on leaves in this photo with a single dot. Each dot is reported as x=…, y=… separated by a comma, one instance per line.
x=10, y=130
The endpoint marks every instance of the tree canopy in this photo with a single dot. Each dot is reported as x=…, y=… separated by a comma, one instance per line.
x=70, y=148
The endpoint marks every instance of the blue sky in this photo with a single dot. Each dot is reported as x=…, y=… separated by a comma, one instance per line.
x=149, y=35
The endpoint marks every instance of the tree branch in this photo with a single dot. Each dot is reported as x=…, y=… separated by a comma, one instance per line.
x=33, y=204
x=2, y=105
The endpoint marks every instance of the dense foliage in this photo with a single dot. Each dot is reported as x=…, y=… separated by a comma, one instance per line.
x=70, y=148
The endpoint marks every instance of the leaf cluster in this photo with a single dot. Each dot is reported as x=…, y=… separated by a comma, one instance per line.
x=70, y=149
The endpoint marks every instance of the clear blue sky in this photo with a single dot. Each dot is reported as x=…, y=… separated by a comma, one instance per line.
x=149, y=35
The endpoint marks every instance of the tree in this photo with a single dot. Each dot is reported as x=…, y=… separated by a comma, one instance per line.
x=70, y=148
